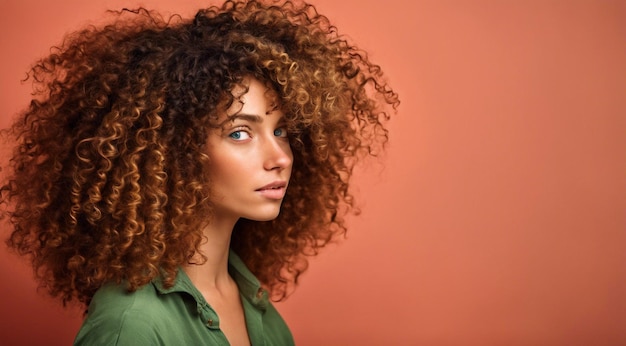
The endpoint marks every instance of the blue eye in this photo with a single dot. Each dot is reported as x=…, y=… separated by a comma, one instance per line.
x=280, y=132
x=239, y=135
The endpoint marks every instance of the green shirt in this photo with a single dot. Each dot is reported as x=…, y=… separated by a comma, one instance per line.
x=153, y=315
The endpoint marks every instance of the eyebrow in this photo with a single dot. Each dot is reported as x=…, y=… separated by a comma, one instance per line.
x=249, y=117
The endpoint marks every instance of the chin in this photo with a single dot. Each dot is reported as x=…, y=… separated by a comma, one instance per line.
x=264, y=217
x=268, y=215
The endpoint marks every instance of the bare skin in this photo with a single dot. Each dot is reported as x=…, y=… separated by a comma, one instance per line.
x=252, y=163
x=212, y=279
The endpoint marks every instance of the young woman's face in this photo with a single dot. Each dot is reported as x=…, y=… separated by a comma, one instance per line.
x=250, y=158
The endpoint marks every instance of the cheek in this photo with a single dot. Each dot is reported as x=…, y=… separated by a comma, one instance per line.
x=233, y=168
x=223, y=168
x=220, y=165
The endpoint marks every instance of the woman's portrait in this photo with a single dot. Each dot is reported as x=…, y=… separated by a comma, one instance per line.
x=288, y=172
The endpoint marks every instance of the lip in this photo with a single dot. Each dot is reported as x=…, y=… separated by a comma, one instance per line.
x=274, y=190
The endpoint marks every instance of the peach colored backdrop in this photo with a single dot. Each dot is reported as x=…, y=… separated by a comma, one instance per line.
x=500, y=217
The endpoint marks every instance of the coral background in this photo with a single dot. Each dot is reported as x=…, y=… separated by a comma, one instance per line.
x=498, y=216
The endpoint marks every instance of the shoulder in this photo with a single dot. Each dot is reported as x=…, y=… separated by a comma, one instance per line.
x=119, y=317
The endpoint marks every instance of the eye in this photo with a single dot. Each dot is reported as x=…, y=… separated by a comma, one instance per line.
x=239, y=135
x=280, y=132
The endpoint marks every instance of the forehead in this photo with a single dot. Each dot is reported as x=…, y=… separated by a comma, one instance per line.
x=251, y=97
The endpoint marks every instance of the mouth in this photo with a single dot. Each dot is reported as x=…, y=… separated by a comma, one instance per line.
x=274, y=190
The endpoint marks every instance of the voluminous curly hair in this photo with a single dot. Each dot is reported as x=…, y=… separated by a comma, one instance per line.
x=108, y=181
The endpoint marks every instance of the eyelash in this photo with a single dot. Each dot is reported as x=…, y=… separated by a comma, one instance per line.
x=231, y=134
x=284, y=130
x=247, y=131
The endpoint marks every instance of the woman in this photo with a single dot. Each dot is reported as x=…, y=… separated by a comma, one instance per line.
x=172, y=175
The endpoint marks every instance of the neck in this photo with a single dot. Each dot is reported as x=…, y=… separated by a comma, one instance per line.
x=212, y=270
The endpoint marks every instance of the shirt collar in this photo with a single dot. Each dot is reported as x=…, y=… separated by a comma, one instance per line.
x=249, y=286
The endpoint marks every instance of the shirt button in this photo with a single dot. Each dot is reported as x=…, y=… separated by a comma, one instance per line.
x=210, y=322
x=259, y=293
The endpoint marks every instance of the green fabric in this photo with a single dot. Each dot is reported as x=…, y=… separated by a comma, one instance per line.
x=179, y=315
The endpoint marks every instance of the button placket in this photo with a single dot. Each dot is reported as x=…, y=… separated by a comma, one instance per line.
x=209, y=317
x=260, y=299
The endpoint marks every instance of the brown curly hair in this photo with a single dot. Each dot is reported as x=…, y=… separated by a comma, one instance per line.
x=108, y=179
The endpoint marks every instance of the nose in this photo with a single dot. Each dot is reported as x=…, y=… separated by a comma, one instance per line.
x=277, y=154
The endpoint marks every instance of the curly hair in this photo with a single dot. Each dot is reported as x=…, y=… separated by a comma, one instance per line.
x=108, y=178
